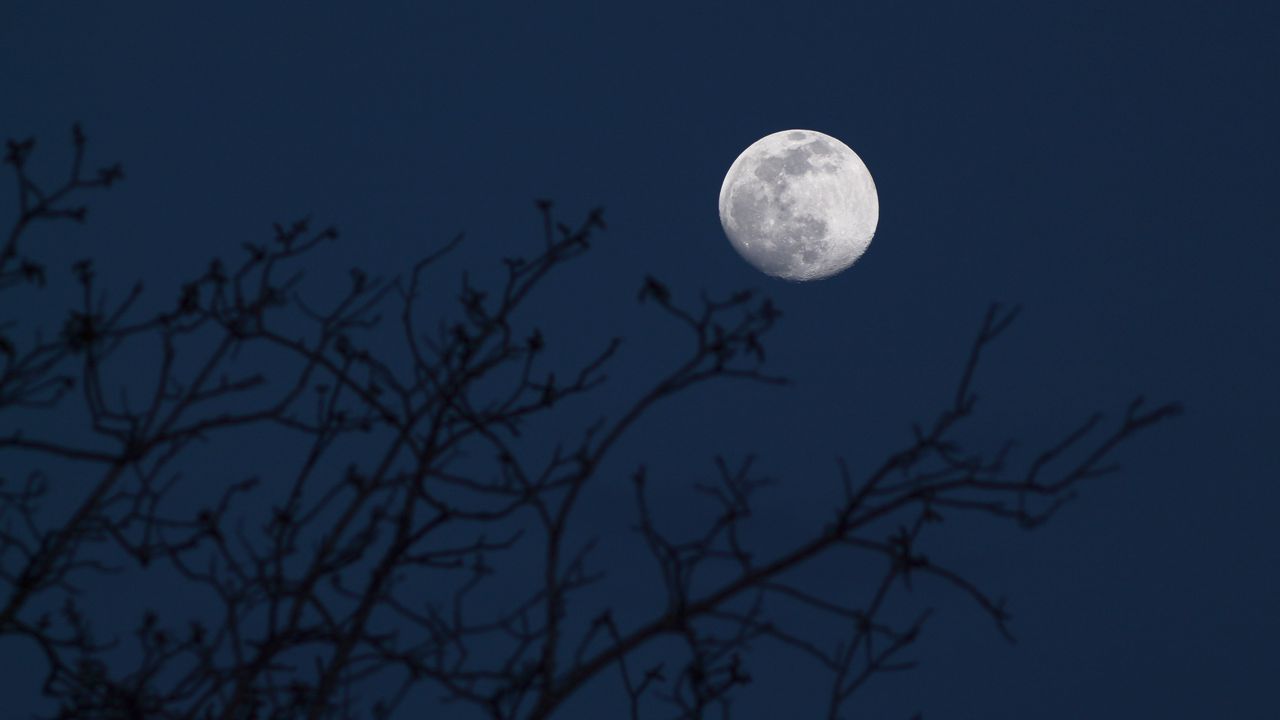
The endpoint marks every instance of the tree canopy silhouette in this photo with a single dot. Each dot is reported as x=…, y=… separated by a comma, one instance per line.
x=342, y=584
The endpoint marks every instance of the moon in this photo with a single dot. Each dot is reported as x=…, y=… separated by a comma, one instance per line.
x=799, y=205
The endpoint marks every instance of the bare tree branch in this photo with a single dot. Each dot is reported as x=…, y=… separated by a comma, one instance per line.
x=338, y=587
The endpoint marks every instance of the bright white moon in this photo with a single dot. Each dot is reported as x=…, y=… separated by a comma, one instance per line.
x=799, y=205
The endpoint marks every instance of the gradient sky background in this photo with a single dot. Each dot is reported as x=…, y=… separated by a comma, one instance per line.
x=1111, y=166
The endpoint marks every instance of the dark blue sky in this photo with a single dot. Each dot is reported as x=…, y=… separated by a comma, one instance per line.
x=1111, y=166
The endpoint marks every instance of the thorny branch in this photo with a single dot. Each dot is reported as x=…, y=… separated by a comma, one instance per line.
x=337, y=589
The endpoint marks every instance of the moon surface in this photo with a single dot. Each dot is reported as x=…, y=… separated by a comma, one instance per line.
x=799, y=205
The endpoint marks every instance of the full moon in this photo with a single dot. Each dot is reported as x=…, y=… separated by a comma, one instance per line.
x=799, y=205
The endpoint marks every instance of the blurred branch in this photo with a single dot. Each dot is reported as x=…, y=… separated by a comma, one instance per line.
x=416, y=484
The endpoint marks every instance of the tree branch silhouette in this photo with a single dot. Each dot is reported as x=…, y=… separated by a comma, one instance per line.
x=341, y=587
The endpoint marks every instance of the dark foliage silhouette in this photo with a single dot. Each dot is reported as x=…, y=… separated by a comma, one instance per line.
x=344, y=583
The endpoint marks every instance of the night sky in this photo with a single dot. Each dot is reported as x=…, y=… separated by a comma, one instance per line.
x=1109, y=166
